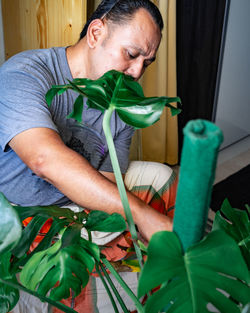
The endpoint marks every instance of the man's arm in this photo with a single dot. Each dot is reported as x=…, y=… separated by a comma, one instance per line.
x=110, y=176
x=48, y=157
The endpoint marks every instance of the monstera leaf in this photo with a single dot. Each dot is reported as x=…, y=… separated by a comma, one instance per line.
x=56, y=257
x=10, y=225
x=8, y=295
x=101, y=221
x=61, y=218
x=237, y=225
x=209, y=272
x=119, y=91
x=69, y=262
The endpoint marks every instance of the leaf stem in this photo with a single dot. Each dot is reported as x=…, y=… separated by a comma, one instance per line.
x=107, y=288
x=126, y=288
x=118, y=297
x=58, y=305
x=89, y=235
x=119, y=181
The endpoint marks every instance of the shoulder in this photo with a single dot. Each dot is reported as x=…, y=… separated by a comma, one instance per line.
x=36, y=66
x=29, y=57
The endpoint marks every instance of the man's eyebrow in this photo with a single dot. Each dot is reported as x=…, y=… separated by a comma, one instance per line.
x=143, y=53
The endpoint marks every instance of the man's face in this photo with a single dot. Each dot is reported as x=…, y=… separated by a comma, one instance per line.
x=128, y=48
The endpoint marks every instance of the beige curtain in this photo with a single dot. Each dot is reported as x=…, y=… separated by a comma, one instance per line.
x=92, y=5
x=160, y=142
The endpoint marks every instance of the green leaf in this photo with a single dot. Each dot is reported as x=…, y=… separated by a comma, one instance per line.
x=55, y=228
x=120, y=91
x=134, y=86
x=53, y=91
x=10, y=226
x=28, y=235
x=237, y=225
x=191, y=281
x=40, y=216
x=68, y=262
x=77, y=111
x=95, y=92
x=248, y=208
x=142, y=246
x=144, y=114
x=9, y=296
x=104, y=222
x=50, y=211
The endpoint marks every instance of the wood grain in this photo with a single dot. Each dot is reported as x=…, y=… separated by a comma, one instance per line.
x=34, y=24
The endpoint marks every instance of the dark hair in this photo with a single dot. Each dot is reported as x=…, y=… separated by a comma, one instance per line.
x=122, y=11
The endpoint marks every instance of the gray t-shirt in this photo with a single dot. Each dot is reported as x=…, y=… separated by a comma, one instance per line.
x=24, y=81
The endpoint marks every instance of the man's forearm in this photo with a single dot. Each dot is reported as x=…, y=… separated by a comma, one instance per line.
x=44, y=152
x=89, y=188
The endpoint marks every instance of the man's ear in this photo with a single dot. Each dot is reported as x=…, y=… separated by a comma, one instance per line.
x=95, y=33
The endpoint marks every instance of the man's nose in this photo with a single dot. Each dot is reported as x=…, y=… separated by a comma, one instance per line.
x=136, y=70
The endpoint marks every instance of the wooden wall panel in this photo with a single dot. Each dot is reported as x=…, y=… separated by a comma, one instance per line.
x=33, y=24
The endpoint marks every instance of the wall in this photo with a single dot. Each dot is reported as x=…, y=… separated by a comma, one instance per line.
x=233, y=102
x=1, y=36
x=33, y=24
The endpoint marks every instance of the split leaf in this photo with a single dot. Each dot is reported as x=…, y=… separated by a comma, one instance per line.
x=237, y=225
x=10, y=225
x=9, y=296
x=212, y=271
x=64, y=266
x=120, y=91
x=101, y=221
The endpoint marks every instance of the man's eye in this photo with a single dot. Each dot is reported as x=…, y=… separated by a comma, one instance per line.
x=131, y=56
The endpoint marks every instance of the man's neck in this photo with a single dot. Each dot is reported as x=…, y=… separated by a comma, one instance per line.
x=77, y=56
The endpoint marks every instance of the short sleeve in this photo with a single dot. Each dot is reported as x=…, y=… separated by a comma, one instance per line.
x=22, y=104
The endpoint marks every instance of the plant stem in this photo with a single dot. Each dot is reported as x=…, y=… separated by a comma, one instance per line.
x=107, y=288
x=119, y=181
x=50, y=308
x=58, y=305
x=89, y=235
x=126, y=288
x=118, y=297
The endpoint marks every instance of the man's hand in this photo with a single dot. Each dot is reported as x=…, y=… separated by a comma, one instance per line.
x=153, y=222
x=148, y=220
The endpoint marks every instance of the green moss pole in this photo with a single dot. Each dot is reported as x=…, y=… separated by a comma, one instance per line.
x=198, y=163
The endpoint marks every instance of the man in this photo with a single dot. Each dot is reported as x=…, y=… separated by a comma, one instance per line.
x=37, y=163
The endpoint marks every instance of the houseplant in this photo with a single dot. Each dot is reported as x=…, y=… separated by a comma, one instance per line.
x=114, y=91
